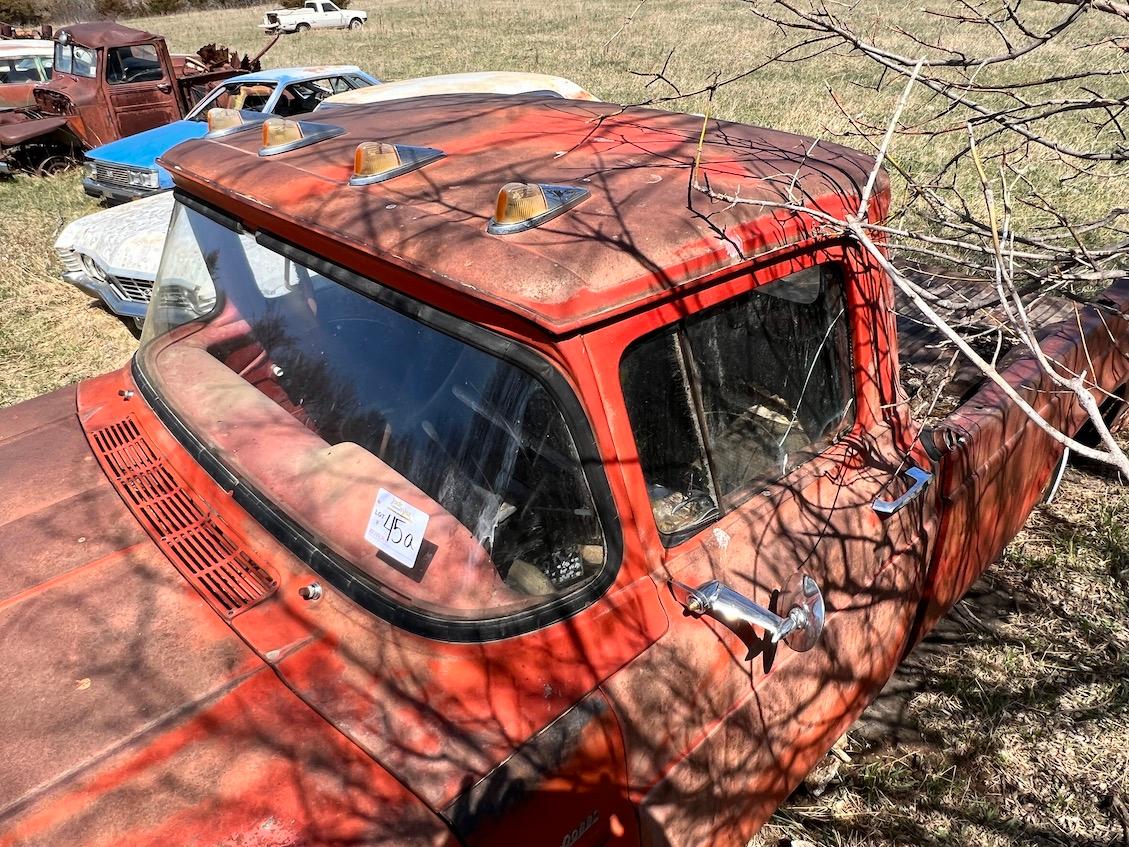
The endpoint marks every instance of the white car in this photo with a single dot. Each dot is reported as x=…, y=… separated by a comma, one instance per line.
x=315, y=14
x=479, y=82
x=113, y=254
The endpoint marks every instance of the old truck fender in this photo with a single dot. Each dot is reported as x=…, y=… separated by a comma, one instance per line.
x=17, y=132
x=994, y=462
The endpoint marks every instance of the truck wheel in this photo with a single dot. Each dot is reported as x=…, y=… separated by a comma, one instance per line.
x=302, y=28
x=356, y=23
x=54, y=164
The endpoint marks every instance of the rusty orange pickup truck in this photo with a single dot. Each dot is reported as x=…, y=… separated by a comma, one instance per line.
x=476, y=482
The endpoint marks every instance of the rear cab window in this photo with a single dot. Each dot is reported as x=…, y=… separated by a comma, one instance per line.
x=21, y=69
x=730, y=399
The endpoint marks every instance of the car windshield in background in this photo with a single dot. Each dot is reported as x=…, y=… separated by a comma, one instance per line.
x=441, y=476
x=244, y=96
x=24, y=69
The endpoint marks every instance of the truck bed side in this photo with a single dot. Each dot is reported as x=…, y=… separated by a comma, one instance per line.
x=995, y=463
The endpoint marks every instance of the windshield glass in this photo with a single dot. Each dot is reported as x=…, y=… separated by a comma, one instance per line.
x=443, y=475
x=63, y=58
x=23, y=69
x=245, y=96
x=72, y=59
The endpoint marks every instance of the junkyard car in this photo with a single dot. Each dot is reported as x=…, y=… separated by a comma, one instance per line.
x=24, y=63
x=476, y=482
x=113, y=254
x=477, y=82
x=314, y=14
x=128, y=169
x=108, y=81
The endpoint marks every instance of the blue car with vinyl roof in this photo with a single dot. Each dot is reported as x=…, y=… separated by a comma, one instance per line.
x=127, y=169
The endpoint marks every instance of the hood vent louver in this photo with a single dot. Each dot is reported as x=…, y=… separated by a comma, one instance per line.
x=207, y=554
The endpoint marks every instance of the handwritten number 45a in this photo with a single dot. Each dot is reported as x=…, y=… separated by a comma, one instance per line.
x=396, y=534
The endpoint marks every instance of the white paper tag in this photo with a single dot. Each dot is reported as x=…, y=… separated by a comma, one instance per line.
x=396, y=528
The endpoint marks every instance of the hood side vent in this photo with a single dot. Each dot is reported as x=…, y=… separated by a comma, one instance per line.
x=208, y=555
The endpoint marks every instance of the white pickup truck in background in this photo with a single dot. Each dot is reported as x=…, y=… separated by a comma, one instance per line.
x=315, y=14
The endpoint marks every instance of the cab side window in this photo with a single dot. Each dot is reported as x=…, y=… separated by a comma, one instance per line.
x=138, y=63
x=734, y=397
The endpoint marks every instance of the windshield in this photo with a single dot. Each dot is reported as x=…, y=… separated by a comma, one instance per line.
x=245, y=96
x=22, y=69
x=72, y=59
x=444, y=476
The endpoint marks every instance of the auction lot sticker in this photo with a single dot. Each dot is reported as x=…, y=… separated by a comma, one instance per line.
x=396, y=528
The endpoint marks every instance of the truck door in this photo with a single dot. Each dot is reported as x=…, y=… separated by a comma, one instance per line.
x=332, y=16
x=140, y=90
x=765, y=459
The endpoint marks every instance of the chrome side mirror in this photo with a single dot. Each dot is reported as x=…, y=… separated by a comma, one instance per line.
x=800, y=628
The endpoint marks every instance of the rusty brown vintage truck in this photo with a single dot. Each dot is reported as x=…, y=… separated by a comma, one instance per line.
x=109, y=81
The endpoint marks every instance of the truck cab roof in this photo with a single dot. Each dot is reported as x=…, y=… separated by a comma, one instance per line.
x=638, y=235
x=103, y=34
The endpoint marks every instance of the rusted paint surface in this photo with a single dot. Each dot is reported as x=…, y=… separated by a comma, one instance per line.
x=16, y=95
x=435, y=714
x=133, y=713
x=997, y=463
x=631, y=242
x=99, y=34
x=298, y=722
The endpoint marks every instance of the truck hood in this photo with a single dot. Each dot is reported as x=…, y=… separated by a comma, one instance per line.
x=141, y=150
x=132, y=712
x=76, y=92
x=17, y=127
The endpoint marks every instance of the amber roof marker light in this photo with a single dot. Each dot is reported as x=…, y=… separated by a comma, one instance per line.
x=377, y=161
x=224, y=122
x=281, y=135
x=524, y=205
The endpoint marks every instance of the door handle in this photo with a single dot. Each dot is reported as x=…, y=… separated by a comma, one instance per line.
x=800, y=629
x=921, y=478
x=164, y=87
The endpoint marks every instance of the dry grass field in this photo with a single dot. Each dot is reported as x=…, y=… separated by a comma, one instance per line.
x=1008, y=727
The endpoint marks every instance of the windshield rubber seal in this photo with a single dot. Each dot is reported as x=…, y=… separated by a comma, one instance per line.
x=346, y=578
x=210, y=212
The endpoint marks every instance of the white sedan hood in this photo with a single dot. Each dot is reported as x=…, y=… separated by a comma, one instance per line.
x=126, y=240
